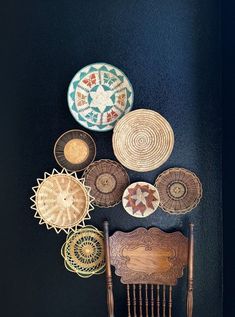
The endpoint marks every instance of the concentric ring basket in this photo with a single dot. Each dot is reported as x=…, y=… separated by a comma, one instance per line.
x=143, y=140
x=83, y=252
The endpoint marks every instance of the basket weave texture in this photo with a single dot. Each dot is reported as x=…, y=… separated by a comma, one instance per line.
x=180, y=190
x=83, y=252
x=62, y=201
x=107, y=180
x=75, y=150
x=143, y=140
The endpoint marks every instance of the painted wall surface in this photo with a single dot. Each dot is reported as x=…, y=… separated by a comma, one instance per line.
x=170, y=50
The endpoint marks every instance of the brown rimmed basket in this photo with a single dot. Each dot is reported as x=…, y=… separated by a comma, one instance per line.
x=75, y=150
x=107, y=180
x=180, y=190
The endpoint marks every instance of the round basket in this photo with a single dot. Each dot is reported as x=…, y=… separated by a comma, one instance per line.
x=75, y=150
x=62, y=201
x=140, y=199
x=180, y=190
x=143, y=140
x=98, y=95
x=83, y=252
x=107, y=180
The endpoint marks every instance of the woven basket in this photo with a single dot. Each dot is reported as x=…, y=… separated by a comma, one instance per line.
x=143, y=140
x=140, y=199
x=75, y=150
x=180, y=190
x=107, y=180
x=62, y=201
x=83, y=252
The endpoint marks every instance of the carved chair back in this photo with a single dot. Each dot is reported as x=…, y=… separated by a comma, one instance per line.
x=149, y=262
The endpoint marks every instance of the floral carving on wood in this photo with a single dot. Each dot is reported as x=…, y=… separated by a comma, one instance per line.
x=149, y=256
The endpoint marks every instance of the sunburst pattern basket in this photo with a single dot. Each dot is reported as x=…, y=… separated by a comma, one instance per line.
x=62, y=201
x=180, y=190
x=143, y=140
x=83, y=252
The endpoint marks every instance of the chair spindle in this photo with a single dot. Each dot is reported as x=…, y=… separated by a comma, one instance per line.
x=152, y=302
x=134, y=300
x=146, y=301
x=158, y=301
x=140, y=300
x=164, y=301
x=128, y=300
x=170, y=301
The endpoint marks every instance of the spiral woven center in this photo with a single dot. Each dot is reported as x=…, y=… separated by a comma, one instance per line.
x=143, y=140
x=106, y=183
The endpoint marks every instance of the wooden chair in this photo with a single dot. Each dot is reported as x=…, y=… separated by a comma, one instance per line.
x=149, y=262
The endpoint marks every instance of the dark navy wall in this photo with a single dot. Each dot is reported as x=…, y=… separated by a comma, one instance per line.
x=170, y=50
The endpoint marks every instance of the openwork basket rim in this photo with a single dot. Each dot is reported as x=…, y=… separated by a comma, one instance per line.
x=196, y=200
x=114, y=163
x=88, y=205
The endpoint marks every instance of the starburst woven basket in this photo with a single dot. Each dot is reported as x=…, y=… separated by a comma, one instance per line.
x=83, y=252
x=143, y=140
x=62, y=201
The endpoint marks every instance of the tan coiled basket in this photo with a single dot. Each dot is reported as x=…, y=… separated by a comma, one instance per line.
x=143, y=140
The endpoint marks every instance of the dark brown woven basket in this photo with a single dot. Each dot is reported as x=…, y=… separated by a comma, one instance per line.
x=180, y=190
x=107, y=180
x=75, y=150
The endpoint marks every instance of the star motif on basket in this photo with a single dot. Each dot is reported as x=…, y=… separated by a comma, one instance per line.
x=98, y=95
x=62, y=201
x=140, y=198
x=101, y=99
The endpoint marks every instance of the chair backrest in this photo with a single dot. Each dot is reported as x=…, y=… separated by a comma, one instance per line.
x=149, y=262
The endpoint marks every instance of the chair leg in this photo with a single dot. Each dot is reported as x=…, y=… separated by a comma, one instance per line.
x=190, y=273
x=109, y=284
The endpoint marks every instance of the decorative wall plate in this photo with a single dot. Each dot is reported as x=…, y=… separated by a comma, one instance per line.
x=107, y=180
x=75, y=150
x=142, y=140
x=62, y=201
x=140, y=199
x=83, y=252
x=180, y=190
x=98, y=95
